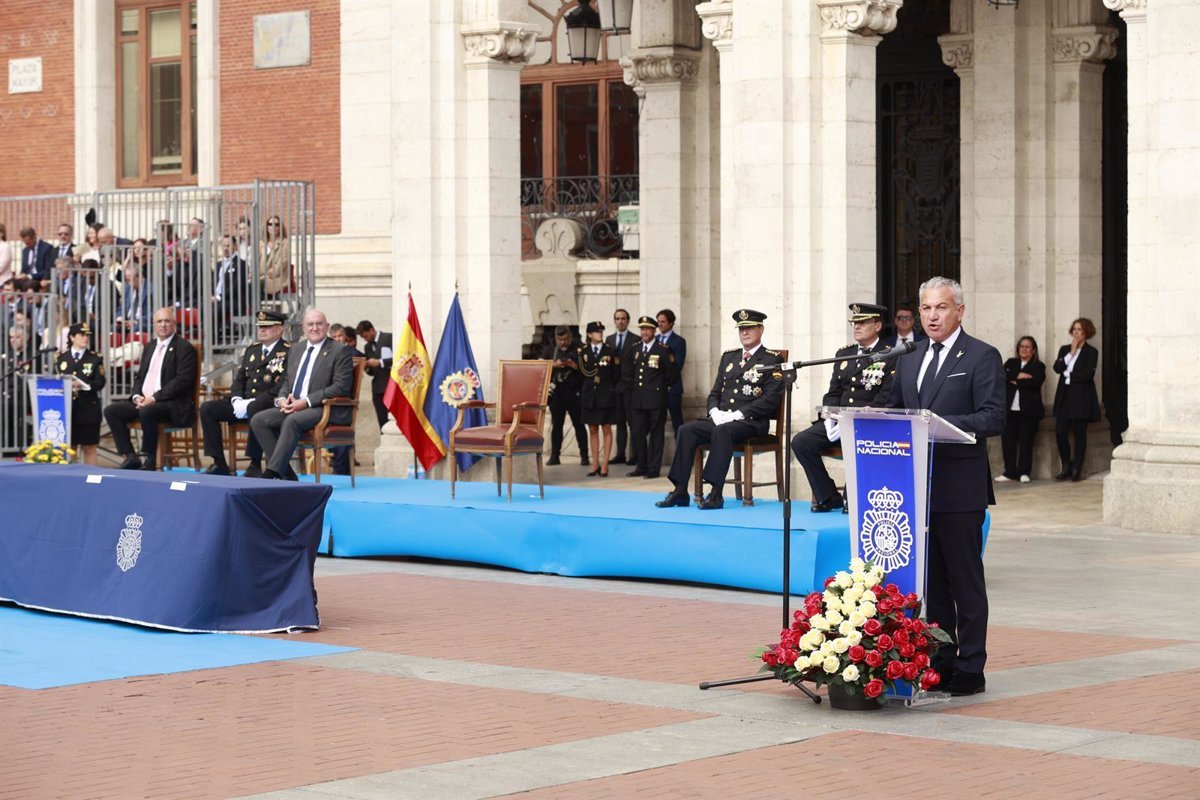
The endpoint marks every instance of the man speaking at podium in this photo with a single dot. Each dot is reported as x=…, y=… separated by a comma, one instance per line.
x=961, y=379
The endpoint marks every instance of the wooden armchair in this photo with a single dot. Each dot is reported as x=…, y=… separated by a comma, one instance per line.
x=522, y=387
x=743, y=480
x=326, y=435
x=179, y=444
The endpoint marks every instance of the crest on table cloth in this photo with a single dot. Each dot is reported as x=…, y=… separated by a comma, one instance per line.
x=51, y=426
x=459, y=387
x=129, y=545
x=886, y=535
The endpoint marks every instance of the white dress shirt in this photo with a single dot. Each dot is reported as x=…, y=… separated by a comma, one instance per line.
x=312, y=363
x=948, y=345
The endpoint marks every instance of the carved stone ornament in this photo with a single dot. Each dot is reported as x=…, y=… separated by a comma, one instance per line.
x=716, y=22
x=864, y=17
x=1085, y=43
x=638, y=71
x=1127, y=7
x=504, y=42
x=958, y=50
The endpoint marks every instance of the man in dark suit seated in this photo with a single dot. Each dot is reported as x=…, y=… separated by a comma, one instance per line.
x=742, y=404
x=254, y=386
x=854, y=383
x=37, y=258
x=317, y=369
x=961, y=379
x=163, y=393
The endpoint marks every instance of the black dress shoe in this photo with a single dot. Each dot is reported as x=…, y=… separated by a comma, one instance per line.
x=148, y=465
x=676, y=497
x=637, y=473
x=1064, y=475
x=1077, y=476
x=713, y=501
x=131, y=462
x=831, y=504
x=271, y=475
x=217, y=469
x=552, y=461
x=291, y=475
x=617, y=460
x=253, y=471
x=650, y=475
x=964, y=683
x=585, y=462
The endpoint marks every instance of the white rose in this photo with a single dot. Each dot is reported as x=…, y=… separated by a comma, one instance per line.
x=816, y=660
x=830, y=664
x=844, y=580
x=826, y=649
x=812, y=640
x=830, y=598
x=840, y=645
x=819, y=622
x=877, y=571
x=857, y=565
x=854, y=637
x=846, y=628
x=853, y=593
x=848, y=608
x=834, y=616
x=850, y=674
x=857, y=619
x=871, y=580
x=867, y=610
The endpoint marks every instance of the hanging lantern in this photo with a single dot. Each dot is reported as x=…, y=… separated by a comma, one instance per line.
x=583, y=33
x=616, y=16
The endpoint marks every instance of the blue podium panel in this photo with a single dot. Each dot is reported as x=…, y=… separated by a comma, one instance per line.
x=180, y=551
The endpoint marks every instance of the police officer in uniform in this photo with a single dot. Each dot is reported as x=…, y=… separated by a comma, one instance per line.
x=601, y=368
x=87, y=368
x=742, y=404
x=254, y=387
x=854, y=383
x=648, y=370
x=565, y=382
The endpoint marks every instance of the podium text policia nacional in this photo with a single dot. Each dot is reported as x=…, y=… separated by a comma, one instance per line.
x=887, y=457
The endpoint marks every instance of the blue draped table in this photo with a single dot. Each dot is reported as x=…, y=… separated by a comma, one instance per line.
x=176, y=550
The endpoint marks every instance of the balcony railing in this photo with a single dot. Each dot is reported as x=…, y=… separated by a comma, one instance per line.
x=590, y=200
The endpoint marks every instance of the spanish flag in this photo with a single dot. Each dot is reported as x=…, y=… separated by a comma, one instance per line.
x=405, y=393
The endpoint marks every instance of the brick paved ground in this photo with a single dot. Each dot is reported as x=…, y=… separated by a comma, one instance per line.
x=473, y=683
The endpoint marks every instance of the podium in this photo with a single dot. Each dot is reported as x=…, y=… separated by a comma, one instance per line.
x=50, y=399
x=887, y=454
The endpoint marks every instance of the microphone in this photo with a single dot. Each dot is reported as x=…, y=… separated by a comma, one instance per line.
x=50, y=349
x=898, y=350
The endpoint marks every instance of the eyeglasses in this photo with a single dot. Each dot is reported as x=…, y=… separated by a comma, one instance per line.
x=904, y=318
x=272, y=224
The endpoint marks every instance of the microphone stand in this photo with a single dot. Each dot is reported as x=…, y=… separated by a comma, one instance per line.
x=789, y=380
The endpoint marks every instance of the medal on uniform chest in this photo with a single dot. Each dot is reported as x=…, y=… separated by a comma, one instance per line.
x=87, y=369
x=729, y=367
x=62, y=365
x=252, y=357
x=652, y=362
x=842, y=365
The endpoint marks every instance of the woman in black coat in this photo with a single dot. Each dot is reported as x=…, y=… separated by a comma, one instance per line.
x=87, y=368
x=1024, y=375
x=1075, y=401
x=601, y=368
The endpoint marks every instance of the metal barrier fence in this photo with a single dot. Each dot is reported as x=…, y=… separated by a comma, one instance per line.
x=216, y=255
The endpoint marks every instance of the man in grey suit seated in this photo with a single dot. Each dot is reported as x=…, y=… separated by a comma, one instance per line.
x=317, y=369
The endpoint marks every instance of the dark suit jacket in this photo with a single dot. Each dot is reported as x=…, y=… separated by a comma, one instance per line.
x=1078, y=400
x=968, y=392
x=1030, y=388
x=379, y=375
x=235, y=291
x=890, y=341
x=178, y=377
x=631, y=338
x=332, y=376
x=42, y=266
x=678, y=346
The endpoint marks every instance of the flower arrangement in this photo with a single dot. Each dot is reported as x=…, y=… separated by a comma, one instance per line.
x=49, y=452
x=858, y=634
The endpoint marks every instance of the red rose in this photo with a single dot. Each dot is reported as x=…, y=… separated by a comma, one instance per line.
x=770, y=658
x=929, y=679
x=921, y=641
x=857, y=653
x=790, y=656
x=829, y=581
x=874, y=658
x=907, y=650
x=921, y=660
x=901, y=636
x=878, y=590
x=872, y=627
x=874, y=688
x=895, y=670
x=910, y=671
x=917, y=626
x=892, y=589
x=812, y=597
x=885, y=643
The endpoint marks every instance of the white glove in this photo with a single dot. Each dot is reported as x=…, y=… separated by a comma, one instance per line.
x=736, y=415
x=715, y=415
x=831, y=430
x=241, y=407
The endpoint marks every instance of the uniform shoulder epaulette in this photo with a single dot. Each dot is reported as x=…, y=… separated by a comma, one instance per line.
x=732, y=350
x=773, y=352
x=847, y=347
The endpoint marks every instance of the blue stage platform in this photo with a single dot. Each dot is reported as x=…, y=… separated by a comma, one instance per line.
x=584, y=532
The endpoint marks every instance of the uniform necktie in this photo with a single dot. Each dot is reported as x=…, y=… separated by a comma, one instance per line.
x=596, y=350
x=266, y=353
x=746, y=355
x=926, y=390
x=302, y=373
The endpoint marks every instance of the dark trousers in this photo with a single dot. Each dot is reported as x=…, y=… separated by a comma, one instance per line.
x=624, y=425
x=675, y=405
x=122, y=412
x=564, y=404
x=279, y=433
x=807, y=446
x=381, y=411
x=1063, y=428
x=648, y=427
x=341, y=460
x=956, y=592
x=721, y=440
x=212, y=414
x=1017, y=443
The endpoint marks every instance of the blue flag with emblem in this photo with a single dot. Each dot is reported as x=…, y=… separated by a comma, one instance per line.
x=455, y=380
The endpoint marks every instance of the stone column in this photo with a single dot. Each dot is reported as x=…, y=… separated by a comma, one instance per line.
x=716, y=24
x=95, y=82
x=1155, y=479
x=208, y=94
x=958, y=53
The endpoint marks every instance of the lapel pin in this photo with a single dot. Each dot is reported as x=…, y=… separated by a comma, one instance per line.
x=959, y=354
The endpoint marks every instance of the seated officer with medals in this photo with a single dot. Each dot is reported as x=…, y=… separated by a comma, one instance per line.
x=854, y=383
x=254, y=387
x=742, y=404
